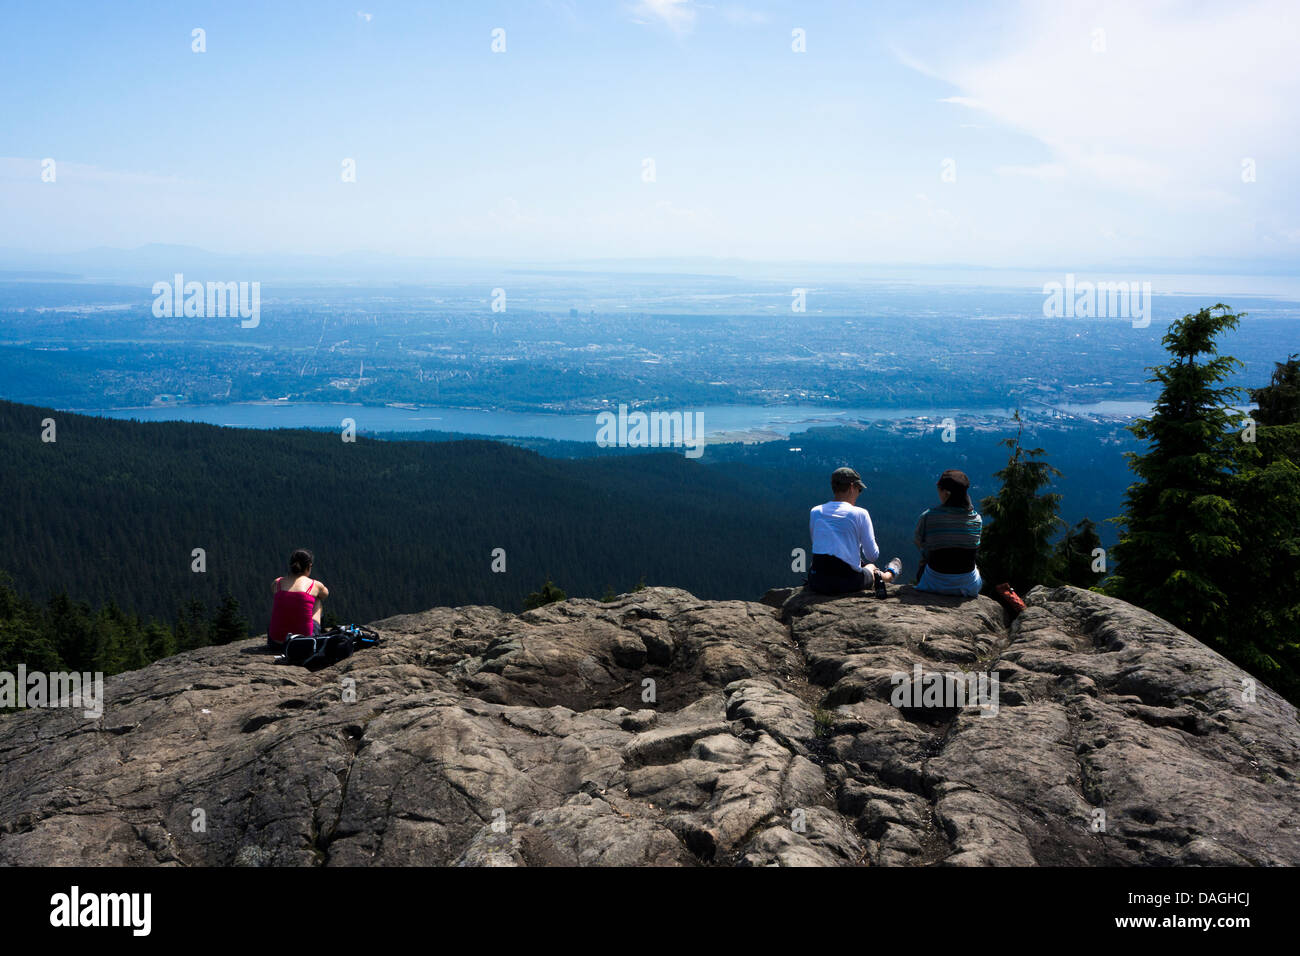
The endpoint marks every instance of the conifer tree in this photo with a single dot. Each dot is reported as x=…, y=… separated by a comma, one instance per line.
x=1278, y=403
x=228, y=624
x=158, y=641
x=1075, y=558
x=181, y=633
x=121, y=641
x=108, y=639
x=1181, y=534
x=192, y=626
x=1264, y=590
x=23, y=640
x=548, y=594
x=1020, y=519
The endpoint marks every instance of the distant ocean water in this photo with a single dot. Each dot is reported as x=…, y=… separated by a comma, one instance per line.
x=575, y=426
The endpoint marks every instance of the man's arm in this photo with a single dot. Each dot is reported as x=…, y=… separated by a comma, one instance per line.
x=867, y=545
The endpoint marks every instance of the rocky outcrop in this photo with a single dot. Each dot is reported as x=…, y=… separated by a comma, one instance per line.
x=659, y=729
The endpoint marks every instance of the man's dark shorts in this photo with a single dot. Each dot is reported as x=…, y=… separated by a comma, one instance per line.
x=830, y=575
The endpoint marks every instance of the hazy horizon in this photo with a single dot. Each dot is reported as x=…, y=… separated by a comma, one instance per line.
x=148, y=263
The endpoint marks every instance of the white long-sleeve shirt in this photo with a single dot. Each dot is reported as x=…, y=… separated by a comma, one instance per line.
x=845, y=531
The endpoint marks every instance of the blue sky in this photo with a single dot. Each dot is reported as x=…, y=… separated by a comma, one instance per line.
x=1068, y=145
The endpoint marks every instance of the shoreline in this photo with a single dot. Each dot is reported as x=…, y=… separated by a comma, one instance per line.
x=720, y=424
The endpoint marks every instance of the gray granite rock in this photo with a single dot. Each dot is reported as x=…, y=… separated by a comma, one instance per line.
x=659, y=729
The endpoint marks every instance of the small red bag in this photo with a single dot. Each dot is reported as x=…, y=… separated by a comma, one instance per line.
x=1009, y=599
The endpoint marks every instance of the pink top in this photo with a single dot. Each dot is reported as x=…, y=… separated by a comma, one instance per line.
x=291, y=613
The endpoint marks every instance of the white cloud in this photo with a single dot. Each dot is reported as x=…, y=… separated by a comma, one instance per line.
x=365, y=16
x=1178, y=96
x=678, y=15
x=965, y=101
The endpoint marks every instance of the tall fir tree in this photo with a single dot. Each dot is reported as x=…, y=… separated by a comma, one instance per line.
x=1021, y=519
x=158, y=641
x=1264, y=590
x=71, y=628
x=192, y=626
x=1278, y=402
x=122, y=645
x=1180, y=534
x=228, y=625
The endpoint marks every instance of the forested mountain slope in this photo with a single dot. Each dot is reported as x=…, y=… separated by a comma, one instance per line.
x=113, y=511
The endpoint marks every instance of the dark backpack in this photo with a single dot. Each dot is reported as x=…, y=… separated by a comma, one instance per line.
x=321, y=650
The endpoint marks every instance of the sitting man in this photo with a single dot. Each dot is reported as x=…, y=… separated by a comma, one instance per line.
x=844, y=543
x=948, y=537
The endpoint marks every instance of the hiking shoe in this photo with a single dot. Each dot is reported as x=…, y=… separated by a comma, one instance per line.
x=880, y=584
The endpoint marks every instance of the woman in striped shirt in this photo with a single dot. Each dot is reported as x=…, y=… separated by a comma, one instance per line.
x=948, y=537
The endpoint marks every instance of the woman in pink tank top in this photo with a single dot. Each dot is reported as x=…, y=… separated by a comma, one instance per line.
x=296, y=601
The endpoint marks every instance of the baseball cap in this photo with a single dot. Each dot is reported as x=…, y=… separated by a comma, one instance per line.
x=846, y=476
